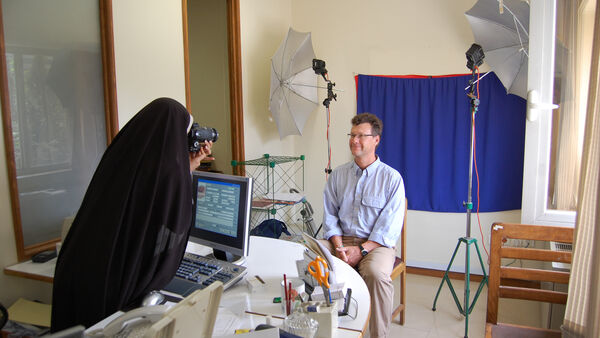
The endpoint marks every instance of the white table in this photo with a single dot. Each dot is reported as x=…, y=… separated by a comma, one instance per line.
x=270, y=259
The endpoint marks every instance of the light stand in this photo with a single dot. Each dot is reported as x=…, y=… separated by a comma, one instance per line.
x=319, y=68
x=474, y=59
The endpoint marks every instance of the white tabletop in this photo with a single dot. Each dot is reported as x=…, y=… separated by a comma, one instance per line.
x=270, y=259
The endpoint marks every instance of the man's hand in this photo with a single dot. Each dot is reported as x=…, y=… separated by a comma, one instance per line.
x=203, y=153
x=351, y=253
x=341, y=254
x=336, y=241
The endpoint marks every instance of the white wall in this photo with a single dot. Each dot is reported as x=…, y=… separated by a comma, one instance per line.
x=264, y=24
x=149, y=64
x=428, y=37
x=148, y=53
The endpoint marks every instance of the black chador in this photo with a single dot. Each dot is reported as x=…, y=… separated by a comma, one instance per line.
x=131, y=230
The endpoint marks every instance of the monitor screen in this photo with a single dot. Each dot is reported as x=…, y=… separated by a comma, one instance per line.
x=221, y=215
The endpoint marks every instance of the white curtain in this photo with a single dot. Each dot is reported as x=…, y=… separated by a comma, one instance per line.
x=583, y=304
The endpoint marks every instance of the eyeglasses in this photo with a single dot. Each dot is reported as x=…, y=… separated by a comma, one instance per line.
x=359, y=136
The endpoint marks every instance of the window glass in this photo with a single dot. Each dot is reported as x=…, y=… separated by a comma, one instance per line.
x=54, y=70
x=572, y=54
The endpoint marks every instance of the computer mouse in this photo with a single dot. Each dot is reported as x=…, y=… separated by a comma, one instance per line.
x=153, y=298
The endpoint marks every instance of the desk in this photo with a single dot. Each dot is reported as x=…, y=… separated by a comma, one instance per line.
x=270, y=259
x=39, y=271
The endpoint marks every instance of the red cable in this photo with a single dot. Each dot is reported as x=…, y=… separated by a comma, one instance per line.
x=328, y=144
x=477, y=171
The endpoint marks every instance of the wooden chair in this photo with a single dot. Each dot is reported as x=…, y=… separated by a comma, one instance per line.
x=502, y=278
x=400, y=271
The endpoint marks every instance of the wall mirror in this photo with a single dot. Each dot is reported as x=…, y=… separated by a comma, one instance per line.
x=211, y=30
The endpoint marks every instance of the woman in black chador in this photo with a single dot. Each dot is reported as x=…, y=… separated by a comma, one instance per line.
x=131, y=230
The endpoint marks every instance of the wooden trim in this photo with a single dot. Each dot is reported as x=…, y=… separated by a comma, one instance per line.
x=31, y=250
x=108, y=70
x=439, y=273
x=186, y=56
x=29, y=275
x=536, y=254
x=9, y=146
x=533, y=294
x=235, y=84
x=535, y=232
x=534, y=274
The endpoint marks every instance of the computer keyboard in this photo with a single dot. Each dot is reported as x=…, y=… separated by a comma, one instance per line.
x=197, y=272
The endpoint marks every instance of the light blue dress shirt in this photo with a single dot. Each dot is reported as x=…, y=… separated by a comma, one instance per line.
x=364, y=203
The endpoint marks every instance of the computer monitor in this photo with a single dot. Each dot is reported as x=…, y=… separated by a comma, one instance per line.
x=221, y=218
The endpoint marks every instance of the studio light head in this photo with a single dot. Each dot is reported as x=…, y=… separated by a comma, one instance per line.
x=319, y=67
x=474, y=56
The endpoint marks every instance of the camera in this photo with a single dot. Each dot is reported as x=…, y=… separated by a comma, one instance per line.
x=199, y=135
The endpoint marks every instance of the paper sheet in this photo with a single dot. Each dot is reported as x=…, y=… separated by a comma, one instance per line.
x=26, y=311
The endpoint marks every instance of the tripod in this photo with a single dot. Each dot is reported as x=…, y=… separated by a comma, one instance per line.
x=467, y=240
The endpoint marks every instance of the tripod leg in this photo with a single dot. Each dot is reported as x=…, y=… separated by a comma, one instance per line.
x=467, y=288
x=445, y=276
x=483, y=282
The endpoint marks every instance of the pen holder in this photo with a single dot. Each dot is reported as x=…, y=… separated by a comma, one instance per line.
x=326, y=316
x=300, y=324
x=297, y=285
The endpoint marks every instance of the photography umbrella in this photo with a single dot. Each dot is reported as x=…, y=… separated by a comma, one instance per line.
x=293, y=83
x=504, y=38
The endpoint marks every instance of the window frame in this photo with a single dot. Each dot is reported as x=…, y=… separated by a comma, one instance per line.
x=111, y=120
x=538, y=132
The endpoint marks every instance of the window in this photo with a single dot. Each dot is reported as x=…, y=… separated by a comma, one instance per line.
x=58, y=106
x=559, y=59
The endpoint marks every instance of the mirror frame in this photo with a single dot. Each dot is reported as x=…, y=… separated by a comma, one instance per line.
x=235, y=77
x=110, y=105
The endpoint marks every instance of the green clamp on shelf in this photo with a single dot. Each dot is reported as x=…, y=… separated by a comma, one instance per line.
x=469, y=205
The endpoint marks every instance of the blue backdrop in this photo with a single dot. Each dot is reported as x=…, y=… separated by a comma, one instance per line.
x=426, y=138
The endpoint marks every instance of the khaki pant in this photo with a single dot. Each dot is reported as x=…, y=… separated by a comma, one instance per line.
x=375, y=268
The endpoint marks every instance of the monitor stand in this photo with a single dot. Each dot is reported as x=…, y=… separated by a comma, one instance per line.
x=225, y=256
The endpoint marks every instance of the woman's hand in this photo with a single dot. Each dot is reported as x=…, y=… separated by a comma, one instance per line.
x=203, y=153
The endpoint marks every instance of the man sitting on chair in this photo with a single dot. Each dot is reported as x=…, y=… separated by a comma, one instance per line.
x=363, y=214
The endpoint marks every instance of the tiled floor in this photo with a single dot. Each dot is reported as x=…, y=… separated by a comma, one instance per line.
x=446, y=321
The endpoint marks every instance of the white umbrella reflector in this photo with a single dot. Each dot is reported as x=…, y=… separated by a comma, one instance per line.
x=293, y=83
x=504, y=39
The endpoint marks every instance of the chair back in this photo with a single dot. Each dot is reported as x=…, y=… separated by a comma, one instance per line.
x=403, y=233
x=521, y=282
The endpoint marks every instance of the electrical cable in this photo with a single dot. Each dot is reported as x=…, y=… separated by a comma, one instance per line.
x=328, y=169
x=476, y=170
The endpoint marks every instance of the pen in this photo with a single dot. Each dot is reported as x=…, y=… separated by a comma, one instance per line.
x=289, y=300
x=285, y=291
